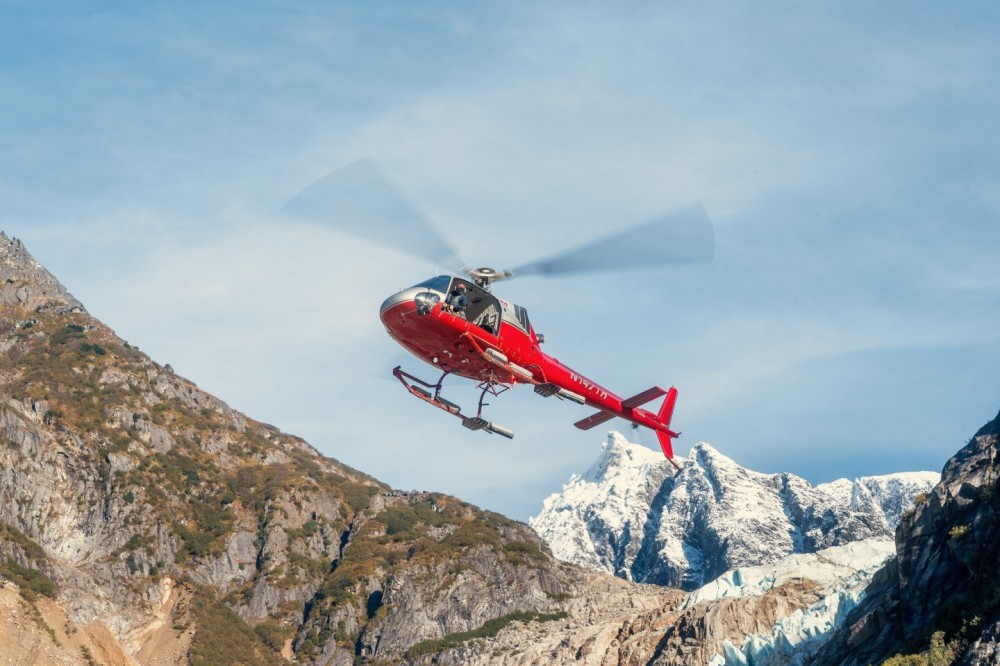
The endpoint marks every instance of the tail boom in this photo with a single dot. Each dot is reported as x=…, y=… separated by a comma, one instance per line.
x=659, y=422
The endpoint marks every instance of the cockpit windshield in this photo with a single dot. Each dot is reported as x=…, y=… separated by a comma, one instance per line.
x=439, y=283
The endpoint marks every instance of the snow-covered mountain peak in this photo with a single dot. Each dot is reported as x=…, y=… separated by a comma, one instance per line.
x=620, y=456
x=707, y=451
x=894, y=493
x=633, y=515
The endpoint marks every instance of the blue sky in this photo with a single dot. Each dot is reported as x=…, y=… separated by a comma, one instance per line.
x=847, y=153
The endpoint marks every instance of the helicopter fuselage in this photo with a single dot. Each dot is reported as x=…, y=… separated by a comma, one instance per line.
x=493, y=342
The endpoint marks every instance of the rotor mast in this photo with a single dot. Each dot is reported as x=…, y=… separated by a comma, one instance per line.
x=484, y=276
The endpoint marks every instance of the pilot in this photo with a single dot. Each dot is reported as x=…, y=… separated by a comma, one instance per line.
x=457, y=301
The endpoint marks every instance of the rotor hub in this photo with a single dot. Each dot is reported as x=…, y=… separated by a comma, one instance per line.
x=484, y=276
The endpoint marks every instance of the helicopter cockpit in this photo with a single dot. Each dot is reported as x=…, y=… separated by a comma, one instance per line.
x=484, y=309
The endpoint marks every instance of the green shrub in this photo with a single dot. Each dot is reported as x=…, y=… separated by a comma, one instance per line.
x=337, y=588
x=471, y=534
x=358, y=495
x=64, y=335
x=398, y=520
x=31, y=581
x=31, y=549
x=273, y=634
x=907, y=660
x=525, y=548
x=940, y=654
x=488, y=630
x=222, y=637
x=87, y=657
x=307, y=530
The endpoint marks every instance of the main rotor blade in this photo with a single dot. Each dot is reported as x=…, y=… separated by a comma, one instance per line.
x=358, y=199
x=683, y=237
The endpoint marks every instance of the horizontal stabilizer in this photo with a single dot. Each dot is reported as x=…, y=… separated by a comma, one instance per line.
x=643, y=398
x=667, y=408
x=594, y=420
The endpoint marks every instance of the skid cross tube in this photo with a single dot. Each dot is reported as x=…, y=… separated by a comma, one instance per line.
x=488, y=387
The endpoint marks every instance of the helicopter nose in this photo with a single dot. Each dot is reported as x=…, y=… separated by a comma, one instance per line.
x=394, y=300
x=387, y=304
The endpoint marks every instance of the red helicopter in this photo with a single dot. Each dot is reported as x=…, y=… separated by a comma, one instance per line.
x=456, y=324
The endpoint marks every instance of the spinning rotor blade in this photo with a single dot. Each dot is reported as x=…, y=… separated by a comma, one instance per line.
x=358, y=199
x=678, y=238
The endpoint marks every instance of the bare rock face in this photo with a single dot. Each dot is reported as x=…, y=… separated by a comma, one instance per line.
x=944, y=578
x=986, y=648
x=37, y=631
x=606, y=621
x=631, y=624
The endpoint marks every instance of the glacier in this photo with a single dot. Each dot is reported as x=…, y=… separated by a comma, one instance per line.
x=841, y=574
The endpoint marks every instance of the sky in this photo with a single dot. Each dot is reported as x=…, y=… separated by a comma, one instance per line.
x=847, y=154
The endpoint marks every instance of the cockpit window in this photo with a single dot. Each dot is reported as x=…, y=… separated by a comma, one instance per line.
x=439, y=283
x=517, y=316
x=522, y=316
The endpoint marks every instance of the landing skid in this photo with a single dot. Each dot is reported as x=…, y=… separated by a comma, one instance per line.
x=433, y=397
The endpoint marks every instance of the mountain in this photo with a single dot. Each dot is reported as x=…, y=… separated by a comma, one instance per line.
x=631, y=515
x=145, y=521
x=940, y=597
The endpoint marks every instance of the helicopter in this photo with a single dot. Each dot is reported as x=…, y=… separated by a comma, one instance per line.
x=487, y=339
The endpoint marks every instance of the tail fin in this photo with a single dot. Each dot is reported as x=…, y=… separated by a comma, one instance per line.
x=664, y=416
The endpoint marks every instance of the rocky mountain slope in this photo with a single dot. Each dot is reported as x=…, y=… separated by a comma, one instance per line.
x=163, y=522
x=143, y=521
x=761, y=615
x=940, y=597
x=632, y=516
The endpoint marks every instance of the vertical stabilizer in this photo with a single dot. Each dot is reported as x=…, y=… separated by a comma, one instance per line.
x=667, y=409
x=664, y=416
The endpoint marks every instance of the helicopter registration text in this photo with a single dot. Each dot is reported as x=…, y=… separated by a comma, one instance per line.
x=589, y=385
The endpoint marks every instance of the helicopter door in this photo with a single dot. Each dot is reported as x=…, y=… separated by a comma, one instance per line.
x=483, y=309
